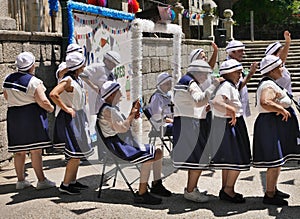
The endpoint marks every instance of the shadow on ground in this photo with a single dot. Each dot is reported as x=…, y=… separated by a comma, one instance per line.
x=176, y=204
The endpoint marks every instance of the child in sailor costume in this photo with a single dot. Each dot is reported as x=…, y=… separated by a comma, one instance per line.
x=116, y=134
x=160, y=104
x=229, y=142
x=71, y=126
x=275, y=130
x=27, y=123
x=235, y=50
x=191, y=128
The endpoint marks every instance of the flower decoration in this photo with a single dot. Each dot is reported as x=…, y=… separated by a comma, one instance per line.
x=133, y=6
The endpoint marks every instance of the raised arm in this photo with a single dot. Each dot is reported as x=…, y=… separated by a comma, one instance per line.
x=285, y=50
x=246, y=79
x=213, y=59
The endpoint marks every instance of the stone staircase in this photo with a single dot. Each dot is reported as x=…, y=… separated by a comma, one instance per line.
x=255, y=52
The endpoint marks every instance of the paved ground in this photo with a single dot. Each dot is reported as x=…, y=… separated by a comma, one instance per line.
x=117, y=202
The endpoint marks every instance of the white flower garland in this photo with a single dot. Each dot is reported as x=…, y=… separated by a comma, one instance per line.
x=138, y=27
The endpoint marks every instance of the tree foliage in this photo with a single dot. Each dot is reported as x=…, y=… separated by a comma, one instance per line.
x=266, y=12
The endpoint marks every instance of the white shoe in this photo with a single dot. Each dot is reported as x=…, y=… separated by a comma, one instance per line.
x=22, y=184
x=46, y=184
x=195, y=196
x=203, y=191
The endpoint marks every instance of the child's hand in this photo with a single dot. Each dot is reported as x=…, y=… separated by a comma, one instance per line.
x=230, y=111
x=135, y=110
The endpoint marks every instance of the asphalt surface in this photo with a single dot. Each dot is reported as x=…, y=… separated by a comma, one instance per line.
x=117, y=202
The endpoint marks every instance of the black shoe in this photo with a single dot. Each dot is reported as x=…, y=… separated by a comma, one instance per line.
x=276, y=200
x=79, y=186
x=281, y=194
x=69, y=190
x=237, y=198
x=159, y=189
x=146, y=198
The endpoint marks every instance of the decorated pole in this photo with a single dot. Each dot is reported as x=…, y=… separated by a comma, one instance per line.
x=65, y=28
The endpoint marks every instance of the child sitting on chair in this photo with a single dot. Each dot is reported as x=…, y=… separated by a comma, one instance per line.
x=118, y=138
x=160, y=104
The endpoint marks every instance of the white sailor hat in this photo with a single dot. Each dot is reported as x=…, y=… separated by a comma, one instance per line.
x=162, y=78
x=61, y=67
x=25, y=61
x=75, y=60
x=268, y=63
x=108, y=88
x=199, y=66
x=74, y=47
x=113, y=57
x=229, y=66
x=234, y=45
x=272, y=48
x=194, y=54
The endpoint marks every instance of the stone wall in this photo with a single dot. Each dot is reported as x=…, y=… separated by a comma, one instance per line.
x=46, y=47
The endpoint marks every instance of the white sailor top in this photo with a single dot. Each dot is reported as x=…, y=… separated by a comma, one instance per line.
x=230, y=91
x=284, y=101
x=159, y=105
x=75, y=99
x=189, y=99
x=112, y=121
x=21, y=93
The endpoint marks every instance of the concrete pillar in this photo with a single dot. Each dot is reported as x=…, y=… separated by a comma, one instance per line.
x=208, y=23
x=228, y=24
x=6, y=22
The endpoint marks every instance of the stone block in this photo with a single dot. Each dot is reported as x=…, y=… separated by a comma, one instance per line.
x=152, y=50
x=7, y=23
x=34, y=48
x=184, y=49
x=145, y=82
x=170, y=50
x=145, y=50
x=53, y=52
x=155, y=65
x=164, y=63
x=151, y=80
x=146, y=65
x=11, y=50
x=5, y=69
x=3, y=108
x=161, y=50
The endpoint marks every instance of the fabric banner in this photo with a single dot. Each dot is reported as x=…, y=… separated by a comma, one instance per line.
x=98, y=35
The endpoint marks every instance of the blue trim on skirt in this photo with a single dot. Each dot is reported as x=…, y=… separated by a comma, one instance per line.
x=27, y=128
x=229, y=145
x=126, y=148
x=73, y=134
x=190, y=143
x=274, y=140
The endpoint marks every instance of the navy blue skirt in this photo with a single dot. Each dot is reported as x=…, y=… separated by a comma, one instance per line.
x=126, y=148
x=27, y=128
x=190, y=139
x=274, y=140
x=72, y=134
x=229, y=145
